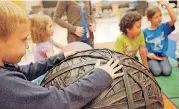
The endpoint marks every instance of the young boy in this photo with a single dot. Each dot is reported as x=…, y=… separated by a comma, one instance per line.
x=16, y=90
x=156, y=38
x=131, y=40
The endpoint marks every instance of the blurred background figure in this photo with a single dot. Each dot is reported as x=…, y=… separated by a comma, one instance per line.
x=81, y=21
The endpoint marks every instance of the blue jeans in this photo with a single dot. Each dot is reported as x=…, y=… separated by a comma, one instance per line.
x=160, y=67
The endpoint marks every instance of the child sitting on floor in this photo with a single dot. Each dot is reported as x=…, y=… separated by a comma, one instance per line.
x=132, y=39
x=156, y=38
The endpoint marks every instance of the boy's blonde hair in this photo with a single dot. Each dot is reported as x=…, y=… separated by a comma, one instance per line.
x=151, y=11
x=38, y=27
x=11, y=16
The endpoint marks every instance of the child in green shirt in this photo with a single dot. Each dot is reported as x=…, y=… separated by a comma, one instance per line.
x=132, y=39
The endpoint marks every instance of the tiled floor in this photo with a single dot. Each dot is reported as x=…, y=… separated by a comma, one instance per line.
x=107, y=30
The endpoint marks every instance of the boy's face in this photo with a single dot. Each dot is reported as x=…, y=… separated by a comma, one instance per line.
x=135, y=30
x=14, y=48
x=49, y=28
x=156, y=19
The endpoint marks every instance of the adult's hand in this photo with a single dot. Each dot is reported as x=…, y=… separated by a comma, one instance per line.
x=79, y=31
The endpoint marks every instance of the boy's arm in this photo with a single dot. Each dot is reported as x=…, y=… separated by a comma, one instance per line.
x=60, y=9
x=143, y=51
x=172, y=14
x=30, y=96
x=143, y=55
x=34, y=70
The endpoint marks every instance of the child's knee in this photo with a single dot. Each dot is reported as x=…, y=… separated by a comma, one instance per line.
x=167, y=71
x=156, y=71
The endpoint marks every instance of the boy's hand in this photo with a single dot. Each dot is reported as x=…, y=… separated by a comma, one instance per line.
x=160, y=58
x=111, y=68
x=154, y=57
x=79, y=31
x=163, y=2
